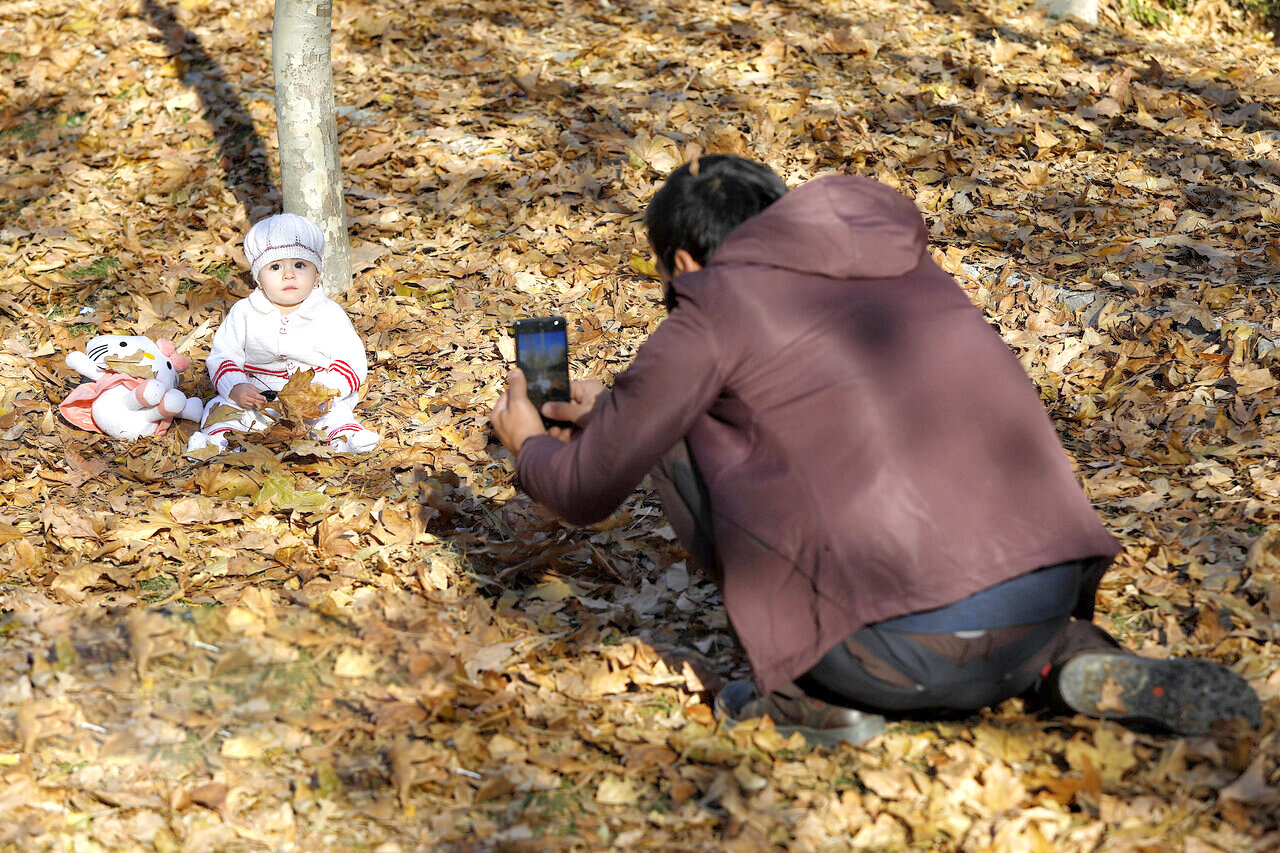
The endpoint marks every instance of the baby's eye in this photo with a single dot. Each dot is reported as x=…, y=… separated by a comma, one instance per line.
x=299, y=265
x=275, y=266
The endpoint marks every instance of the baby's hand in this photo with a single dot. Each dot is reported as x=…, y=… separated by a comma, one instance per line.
x=246, y=396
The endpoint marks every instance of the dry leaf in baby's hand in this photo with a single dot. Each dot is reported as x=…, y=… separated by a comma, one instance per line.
x=302, y=399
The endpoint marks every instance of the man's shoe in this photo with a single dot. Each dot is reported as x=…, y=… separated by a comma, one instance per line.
x=791, y=710
x=1182, y=695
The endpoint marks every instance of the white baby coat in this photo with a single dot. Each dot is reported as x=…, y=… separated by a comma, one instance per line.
x=256, y=340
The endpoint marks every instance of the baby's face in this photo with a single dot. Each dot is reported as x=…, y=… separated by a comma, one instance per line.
x=288, y=281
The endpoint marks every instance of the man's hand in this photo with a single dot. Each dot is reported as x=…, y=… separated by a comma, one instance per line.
x=246, y=396
x=576, y=412
x=514, y=417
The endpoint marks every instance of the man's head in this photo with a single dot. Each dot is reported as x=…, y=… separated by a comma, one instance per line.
x=702, y=202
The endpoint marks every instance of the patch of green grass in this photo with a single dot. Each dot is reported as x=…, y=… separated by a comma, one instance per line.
x=26, y=133
x=1157, y=13
x=659, y=705
x=68, y=767
x=78, y=329
x=293, y=683
x=156, y=588
x=73, y=119
x=559, y=804
x=1146, y=12
x=221, y=272
x=1123, y=624
x=100, y=268
x=1269, y=10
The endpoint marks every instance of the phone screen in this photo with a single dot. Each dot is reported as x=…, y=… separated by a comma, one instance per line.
x=542, y=353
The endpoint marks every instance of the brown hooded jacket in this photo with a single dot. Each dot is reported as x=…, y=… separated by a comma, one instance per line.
x=871, y=446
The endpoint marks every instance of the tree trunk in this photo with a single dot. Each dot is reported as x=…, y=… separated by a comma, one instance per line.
x=307, y=127
x=1085, y=10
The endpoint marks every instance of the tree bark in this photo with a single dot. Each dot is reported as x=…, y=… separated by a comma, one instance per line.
x=307, y=128
x=1085, y=10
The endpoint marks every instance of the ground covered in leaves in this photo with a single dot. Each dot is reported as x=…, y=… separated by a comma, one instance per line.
x=282, y=648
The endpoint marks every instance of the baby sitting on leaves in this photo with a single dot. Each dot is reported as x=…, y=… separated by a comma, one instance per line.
x=285, y=327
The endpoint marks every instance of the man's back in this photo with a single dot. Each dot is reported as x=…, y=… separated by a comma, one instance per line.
x=870, y=445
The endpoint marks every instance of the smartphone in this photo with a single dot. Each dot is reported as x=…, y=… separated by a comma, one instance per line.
x=542, y=353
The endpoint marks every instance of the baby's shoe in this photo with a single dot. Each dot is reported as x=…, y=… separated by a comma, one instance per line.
x=358, y=440
x=200, y=440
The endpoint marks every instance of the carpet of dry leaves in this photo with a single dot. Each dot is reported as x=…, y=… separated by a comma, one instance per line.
x=283, y=649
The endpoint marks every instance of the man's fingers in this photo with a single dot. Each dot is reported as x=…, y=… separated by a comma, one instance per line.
x=557, y=410
x=579, y=390
x=516, y=383
x=565, y=434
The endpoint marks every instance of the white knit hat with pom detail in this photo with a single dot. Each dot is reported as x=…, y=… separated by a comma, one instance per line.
x=285, y=235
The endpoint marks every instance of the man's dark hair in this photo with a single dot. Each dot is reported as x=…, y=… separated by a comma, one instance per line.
x=697, y=208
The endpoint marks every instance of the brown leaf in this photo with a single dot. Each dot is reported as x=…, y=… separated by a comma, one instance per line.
x=1251, y=786
x=139, y=367
x=301, y=399
x=336, y=539
x=211, y=795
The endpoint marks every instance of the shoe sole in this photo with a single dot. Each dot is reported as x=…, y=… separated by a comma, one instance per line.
x=856, y=735
x=1182, y=695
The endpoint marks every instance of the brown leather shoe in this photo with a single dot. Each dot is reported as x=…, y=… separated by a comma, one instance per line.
x=820, y=723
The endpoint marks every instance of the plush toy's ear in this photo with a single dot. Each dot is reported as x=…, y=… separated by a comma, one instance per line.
x=180, y=361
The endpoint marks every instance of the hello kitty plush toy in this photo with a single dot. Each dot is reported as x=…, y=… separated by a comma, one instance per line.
x=132, y=389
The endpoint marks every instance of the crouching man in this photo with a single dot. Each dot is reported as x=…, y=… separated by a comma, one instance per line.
x=853, y=452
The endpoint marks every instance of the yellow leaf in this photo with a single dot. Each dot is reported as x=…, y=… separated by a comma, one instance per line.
x=83, y=25
x=1045, y=139
x=552, y=590
x=245, y=746
x=354, y=664
x=1001, y=789
x=507, y=348
x=644, y=266
x=614, y=791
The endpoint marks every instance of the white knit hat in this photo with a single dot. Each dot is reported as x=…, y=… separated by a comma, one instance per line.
x=285, y=235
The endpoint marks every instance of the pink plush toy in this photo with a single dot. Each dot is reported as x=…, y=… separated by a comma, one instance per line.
x=132, y=389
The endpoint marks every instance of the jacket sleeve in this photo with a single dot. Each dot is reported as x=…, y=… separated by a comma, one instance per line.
x=676, y=376
x=347, y=365
x=227, y=352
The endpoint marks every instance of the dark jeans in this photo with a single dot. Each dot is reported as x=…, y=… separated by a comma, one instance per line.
x=899, y=672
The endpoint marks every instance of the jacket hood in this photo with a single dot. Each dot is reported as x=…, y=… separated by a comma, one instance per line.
x=840, y=226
